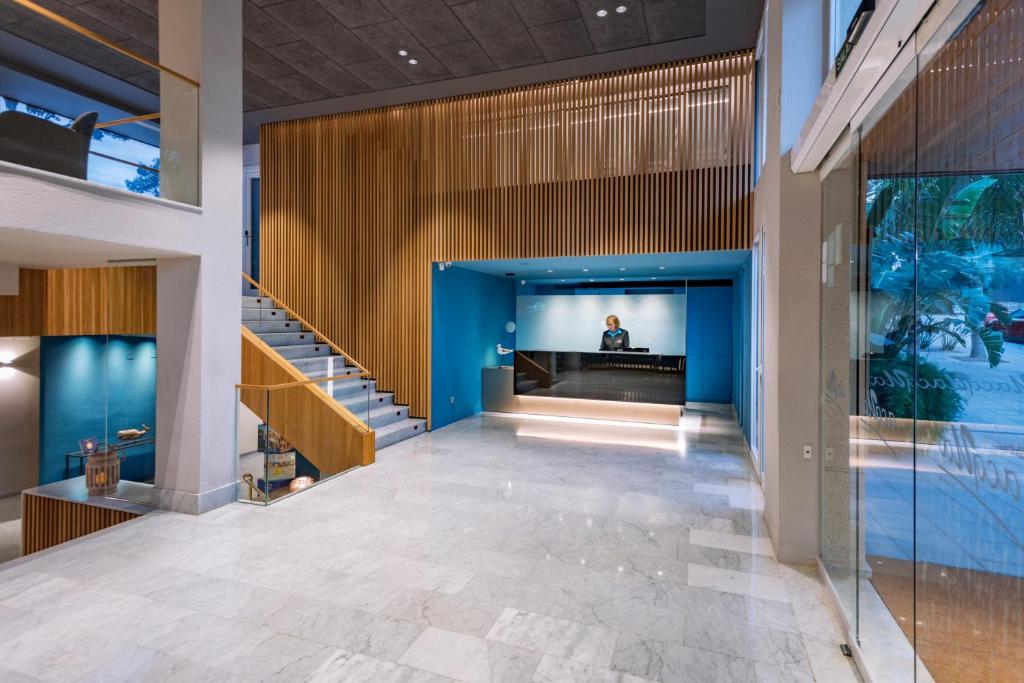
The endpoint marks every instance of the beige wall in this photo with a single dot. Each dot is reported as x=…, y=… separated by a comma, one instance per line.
x=19, y=414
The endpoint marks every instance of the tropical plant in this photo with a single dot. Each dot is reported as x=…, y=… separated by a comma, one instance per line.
x=146, y=181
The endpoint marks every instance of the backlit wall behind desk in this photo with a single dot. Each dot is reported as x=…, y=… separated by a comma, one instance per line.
x=576, y=323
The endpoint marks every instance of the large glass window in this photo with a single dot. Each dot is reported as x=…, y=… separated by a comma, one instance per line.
x=842, y=13
x=922, y=387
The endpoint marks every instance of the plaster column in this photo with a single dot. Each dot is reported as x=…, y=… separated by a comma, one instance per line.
x=198, y=311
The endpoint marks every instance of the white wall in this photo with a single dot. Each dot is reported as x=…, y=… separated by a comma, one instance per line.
x=19, y=414
x=576, y=323
x=786, y=207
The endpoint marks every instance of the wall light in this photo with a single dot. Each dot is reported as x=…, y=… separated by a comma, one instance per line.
x=6, y=372
x=7, y=357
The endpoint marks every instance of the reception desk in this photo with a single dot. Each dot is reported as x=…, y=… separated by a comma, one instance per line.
x=623, y=385
x=627, y=376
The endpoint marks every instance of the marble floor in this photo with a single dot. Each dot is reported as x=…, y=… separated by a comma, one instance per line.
x=497, y=549
x=10, y=527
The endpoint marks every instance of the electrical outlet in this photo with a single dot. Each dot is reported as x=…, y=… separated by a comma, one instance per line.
x=808, y=452
x=451, y=399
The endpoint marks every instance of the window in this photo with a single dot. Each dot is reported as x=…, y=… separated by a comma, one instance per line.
x=842, y=14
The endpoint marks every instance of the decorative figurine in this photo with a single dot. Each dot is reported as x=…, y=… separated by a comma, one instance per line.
x=129, y=434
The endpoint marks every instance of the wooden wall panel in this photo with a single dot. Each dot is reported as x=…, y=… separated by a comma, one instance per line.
x=46, y=522
x=81, y=301
x=24, y=315
x=356, y=207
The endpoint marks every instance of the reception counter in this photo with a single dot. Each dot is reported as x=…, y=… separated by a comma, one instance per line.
x=628, y=376
x=624, y=385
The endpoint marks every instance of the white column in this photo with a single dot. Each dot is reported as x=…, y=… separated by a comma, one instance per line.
x=198, y=309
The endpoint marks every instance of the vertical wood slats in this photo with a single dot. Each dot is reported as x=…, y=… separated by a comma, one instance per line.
x=81, y=301
x=46, y=522
x=356, y=207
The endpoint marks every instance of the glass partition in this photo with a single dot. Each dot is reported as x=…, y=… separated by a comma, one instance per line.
x=131, y=124
x=293, y=435
x=922, y=338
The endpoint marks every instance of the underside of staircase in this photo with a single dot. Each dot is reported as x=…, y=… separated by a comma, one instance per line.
x=313, y=357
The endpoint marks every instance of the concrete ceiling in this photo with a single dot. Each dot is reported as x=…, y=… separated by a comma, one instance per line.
x=342, y=55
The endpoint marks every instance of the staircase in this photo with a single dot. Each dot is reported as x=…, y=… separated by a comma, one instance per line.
x=315, y=358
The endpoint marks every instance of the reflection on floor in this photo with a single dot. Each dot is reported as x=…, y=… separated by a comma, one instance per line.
x=10, y=527
x=617, y=385
x=490, y=550
x=968, y=624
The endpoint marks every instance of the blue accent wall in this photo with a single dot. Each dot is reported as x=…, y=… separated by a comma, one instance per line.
x=95, y=386
x=470, y=310
x=709, y=344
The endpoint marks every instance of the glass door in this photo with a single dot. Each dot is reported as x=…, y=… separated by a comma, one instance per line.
x=757, y=353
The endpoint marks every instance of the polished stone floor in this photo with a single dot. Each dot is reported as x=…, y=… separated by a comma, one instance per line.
x=497, y=549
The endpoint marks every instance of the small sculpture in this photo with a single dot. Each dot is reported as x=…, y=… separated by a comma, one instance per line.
x=129, y=434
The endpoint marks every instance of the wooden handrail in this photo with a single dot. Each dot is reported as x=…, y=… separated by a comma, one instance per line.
x=334, y=347
x=92, y=35
x=129, y=119
x=275, y=387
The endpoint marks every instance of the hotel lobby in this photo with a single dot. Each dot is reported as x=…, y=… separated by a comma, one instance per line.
x=650, y=341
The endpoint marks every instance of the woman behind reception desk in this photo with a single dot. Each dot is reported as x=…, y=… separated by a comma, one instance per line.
x=614, y=338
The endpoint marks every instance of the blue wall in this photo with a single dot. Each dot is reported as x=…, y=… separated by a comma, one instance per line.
x=470, y=310
x=77, y=377
x=709, y=344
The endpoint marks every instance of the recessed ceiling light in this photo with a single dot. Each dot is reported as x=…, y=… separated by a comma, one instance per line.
x=622, y=279
x=591, y=279
x=563, y=280
x=654, y=278
x=661, y=267
x=621, y=9
x=550, y=271
x=586, y=270
x=622, y=269
x=602, y=13
x=403, y=53
x=413, y=61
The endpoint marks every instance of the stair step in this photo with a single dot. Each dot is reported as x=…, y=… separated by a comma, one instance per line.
x=303, y=351
x=525, y=385
x=258, y=302
x=358, y=402
x=265, y=326
x=316, y=366
x=350, y=388
x=382, y=417
x=399, y=431
x=276, y=339
x=520, y=375
x=250, y=314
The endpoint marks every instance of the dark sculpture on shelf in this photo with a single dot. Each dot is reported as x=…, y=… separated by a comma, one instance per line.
x=31, y=141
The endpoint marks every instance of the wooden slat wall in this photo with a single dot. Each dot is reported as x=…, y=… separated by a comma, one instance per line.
x=329, y=437
x=81, y=301
x=356, y=207
x=46, y=522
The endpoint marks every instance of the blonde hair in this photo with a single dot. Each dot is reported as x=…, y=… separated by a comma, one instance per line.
x=614, y=319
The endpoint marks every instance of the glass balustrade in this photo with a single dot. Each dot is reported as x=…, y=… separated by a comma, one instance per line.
x=80, y=99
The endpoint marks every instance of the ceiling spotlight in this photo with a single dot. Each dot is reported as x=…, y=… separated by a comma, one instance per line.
x=602, y=13
x=591, y=279
x=654, y=278
x=661, y=267
x=403, y=53
x=550, y=271
x=586, y=270
x=621, y=9
x=413, y=61
x=622, y=279
x=622, y=270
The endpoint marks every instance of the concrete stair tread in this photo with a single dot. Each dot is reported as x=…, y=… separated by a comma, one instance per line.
x=396, y=432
